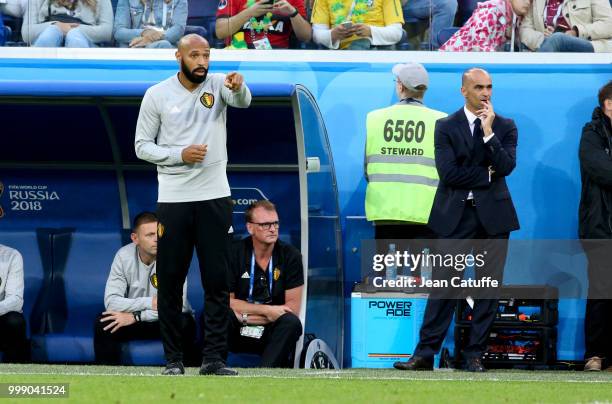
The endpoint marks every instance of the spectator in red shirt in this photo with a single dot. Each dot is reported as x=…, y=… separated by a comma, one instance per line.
x=267, y=24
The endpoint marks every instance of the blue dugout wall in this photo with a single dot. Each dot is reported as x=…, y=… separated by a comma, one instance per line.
x=549, y=96
x=71, y=184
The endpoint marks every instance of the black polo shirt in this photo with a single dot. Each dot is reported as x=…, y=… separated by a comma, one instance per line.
x=288, y=272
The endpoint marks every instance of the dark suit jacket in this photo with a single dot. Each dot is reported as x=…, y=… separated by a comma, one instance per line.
x=460, y=172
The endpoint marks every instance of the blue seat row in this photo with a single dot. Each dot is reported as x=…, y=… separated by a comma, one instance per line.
x=65, y=276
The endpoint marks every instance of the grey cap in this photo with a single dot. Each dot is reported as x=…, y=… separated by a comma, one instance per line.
x=411, y=74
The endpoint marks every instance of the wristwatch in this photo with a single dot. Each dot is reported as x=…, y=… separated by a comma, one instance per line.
x=136, y=316
x=245, y=318
x=296, y=12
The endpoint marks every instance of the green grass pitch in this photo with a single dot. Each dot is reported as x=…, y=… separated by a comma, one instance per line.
x=106, y=384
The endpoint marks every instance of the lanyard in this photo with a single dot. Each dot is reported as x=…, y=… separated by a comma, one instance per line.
x=410, y=100
x=555, y=17
x=264, y=34
x=349, y=16
x=165, y=14
x=252, y=277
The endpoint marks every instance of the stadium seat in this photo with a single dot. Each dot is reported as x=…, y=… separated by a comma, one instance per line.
x=416, y=32
x=143, y=353
x=5, y=32
x=243, y=360
x=81, y=263
x=151, y=353
x=13, y=34
x=203, y=13
x=465, y=10
x=35, y=247
x=446, y=33
x=403, y=43
x=194, y=29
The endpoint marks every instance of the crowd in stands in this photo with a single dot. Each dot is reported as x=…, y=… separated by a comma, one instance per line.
x=453, y=25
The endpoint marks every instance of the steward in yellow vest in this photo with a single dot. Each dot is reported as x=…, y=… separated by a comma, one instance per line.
x=399, y=159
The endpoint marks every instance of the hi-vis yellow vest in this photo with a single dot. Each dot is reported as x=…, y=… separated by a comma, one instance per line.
x=402, y=176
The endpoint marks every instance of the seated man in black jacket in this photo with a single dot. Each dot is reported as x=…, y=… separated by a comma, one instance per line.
x=266, y=285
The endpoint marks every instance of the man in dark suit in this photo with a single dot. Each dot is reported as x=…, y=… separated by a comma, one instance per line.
x=474, y=150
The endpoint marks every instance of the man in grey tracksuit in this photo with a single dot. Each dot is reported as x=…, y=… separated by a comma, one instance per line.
x=13, y=340
x=130, y=297
x=181, y=128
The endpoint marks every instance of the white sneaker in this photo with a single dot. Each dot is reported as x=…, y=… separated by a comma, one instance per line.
x=593, y=364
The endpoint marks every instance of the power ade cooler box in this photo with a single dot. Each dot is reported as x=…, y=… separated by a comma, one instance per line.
x=384, y=327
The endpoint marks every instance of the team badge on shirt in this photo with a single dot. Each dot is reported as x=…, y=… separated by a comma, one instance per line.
x=208, y=100
x=276, y=273
x=154, y=280
x=160, y=230
x=222, y=4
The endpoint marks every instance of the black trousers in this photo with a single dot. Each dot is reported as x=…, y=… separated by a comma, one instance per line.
x=276, y=346
x=205, y=225
x=107, y=345
x=403, y=231
x=13, y=341
x=598, y=315
x=598, y=329
x=439, y=310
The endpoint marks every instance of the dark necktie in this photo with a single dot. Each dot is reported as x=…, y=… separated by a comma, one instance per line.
x=478, y=142
x=477, y=128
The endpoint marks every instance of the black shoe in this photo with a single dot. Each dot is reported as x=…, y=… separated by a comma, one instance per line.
x=415, y=363
x=174, y=369
x=474, y=365
x=217, y=368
